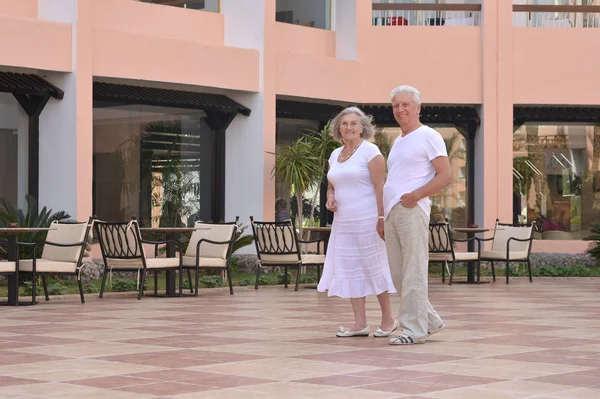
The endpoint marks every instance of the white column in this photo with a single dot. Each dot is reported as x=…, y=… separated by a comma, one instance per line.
x=245, y=141
x=58, y=133
x=65, y=176
x=345, y=29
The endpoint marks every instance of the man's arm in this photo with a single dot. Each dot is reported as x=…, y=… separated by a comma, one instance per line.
x=443, y=177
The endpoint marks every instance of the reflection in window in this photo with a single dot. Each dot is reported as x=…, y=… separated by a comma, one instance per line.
x=153, y=162
x=205, y=5
x=288, y=131
x=555, y=178
x=451, y=202
x=10, y=123
x=313, y=13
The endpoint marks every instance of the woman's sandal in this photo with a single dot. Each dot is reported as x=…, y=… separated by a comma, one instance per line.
x=382, y=334
x=342, y=333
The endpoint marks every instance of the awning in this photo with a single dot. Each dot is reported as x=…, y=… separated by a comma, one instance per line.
x=28, y=84
x=382, y=114
x=305, y=110
x=430, y=114
x=125, y=94
x=555, y=114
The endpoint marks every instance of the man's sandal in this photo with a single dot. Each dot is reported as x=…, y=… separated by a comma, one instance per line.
x=403, y=339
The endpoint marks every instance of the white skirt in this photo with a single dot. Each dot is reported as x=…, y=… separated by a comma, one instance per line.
x=356, y=264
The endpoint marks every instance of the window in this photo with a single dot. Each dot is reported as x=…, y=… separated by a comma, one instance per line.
x=288, y=131
x=205, y=5
x=10, y=123
x=556, y=178
x=313, y=13
x=156, y=163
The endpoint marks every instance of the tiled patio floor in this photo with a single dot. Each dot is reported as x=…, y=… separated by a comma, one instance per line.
x=539, y=340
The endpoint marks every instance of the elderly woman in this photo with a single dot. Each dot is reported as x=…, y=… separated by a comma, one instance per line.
x=356, y=264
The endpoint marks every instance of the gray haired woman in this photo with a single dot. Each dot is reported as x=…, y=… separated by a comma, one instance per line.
x=356, y=264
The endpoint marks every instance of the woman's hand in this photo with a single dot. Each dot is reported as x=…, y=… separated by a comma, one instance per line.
x=331, y=204
x=380, y=229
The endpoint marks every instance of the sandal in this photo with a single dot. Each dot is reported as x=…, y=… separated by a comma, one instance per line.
x=403, y=339
x=382, y=334
x=342, y=333
x=435, y=330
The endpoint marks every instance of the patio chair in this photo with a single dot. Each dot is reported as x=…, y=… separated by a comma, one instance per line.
x=63, y=252
x=122, y=249
x=511, y=243
x=277, y=244
x=210, y=247
x=441, y=249
x=9, y=267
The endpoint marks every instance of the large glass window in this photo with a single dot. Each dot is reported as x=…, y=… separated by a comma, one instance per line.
x=9, y=139
x=153, y=162
x=451, y=203
x=314, y=13
x=556, y=178
x=288, y=131
x=205, y=5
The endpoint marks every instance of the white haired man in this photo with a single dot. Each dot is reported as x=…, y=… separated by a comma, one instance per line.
x=418, y=167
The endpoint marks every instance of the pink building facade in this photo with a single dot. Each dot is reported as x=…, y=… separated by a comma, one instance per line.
x=138, y=83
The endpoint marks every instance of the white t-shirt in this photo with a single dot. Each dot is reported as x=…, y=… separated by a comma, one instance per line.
x=409, y=166
x=354, y=191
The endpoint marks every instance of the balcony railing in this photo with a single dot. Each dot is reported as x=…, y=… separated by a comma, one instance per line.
x=426, y=14
x=204, y=5
x=556, y=16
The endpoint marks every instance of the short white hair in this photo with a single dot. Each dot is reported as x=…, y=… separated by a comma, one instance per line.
x=407, y=89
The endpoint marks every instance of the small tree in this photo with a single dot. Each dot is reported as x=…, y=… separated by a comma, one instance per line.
x=323, y=145
x=300, y=167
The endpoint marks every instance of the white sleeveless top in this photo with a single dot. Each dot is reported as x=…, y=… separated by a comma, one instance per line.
x=354, y=191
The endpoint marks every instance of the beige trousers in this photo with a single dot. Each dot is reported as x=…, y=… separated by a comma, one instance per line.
x=406, y=239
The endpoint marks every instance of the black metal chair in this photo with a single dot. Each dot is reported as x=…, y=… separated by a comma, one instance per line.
x=122, y=249
x=63, y=252
x=441, y=249
x=210, y=247
x=511, y=243
x=277, y=244
x=10, y=267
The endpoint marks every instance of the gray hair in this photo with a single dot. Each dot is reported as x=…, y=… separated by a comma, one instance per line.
x=407, y=89
x=365, y=121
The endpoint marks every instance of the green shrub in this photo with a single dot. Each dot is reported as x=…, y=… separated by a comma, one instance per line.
x=308, y=279
x=282, y=278
x=547, y=271
x=27, y=289
x=264, y=280
x=89, y=288
x=57, y=289
x=211, y=281
x=123, y=285
x=243, y=283
x=186, y=284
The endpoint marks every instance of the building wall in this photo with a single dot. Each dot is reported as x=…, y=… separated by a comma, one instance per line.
x=243, y=53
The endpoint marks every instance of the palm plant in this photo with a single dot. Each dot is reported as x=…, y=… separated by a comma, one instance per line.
x=323, y=145
x=30, y=217
x=300, y=167
x=594, y=249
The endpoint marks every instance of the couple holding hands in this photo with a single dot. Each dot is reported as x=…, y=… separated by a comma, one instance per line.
x=380, y=232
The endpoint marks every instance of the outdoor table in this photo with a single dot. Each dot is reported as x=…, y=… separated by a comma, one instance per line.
x=471, y=231
x=326, y=230
x=172, y=233
x=13, y=255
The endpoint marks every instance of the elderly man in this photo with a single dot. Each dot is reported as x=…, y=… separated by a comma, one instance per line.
x=418, y=167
